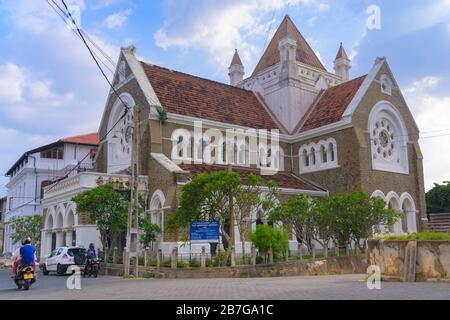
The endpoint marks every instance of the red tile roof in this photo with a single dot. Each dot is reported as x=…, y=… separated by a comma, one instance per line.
x=283, y=179
x=192, y=96
x=87, y=139
x=305, y=53
x=332, y=104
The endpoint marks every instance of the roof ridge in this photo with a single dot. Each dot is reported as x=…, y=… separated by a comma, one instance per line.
x=197, y=77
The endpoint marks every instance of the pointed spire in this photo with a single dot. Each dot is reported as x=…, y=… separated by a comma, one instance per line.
x=342, y=64
x=341, y=53
x=305, y=53
x=236, y=59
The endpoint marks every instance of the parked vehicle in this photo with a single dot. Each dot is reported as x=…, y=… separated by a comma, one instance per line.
x=63, y=259
x=25, y=277
x=92, y=268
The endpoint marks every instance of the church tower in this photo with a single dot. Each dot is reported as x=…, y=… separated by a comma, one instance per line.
x=289, y=76
x=342, y=64
x=236, y=70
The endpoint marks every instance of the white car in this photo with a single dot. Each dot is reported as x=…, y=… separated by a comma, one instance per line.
x=63, y=258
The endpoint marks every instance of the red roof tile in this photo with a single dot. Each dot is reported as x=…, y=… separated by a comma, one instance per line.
x=283, y=179
x=88, y=139
x=192, y=96
x=304, y=52
x=332, y=104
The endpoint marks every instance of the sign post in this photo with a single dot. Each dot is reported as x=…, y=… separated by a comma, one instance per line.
x=204, y=232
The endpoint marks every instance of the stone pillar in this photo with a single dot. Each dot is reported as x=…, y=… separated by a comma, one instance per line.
x=300, y=252
x=48, y=239
x=286, y=255
x=253, y=255
x=69, y=234
x=59, y=239
x=270, y=256
x=174, y=259
x=159, y=258
x=115, y=256
x=337, y=251
x=146, y=257
x=233, y=256
x=203, y=258
x=410, y=262
x=313, y=252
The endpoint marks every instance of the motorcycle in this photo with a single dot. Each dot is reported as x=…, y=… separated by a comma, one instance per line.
x=25, y=277
x=92, y=268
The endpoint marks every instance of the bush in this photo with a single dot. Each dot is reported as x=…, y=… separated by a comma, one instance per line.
x=266, y=237
x=421, y=236
x=166, y=263
x=194, y=263
x=148, y=275
x=183, y=264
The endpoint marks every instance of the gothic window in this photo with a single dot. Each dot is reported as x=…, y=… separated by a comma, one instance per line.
x=332, y=153
x=324, y=154
x=305, y=158
x=313, y=156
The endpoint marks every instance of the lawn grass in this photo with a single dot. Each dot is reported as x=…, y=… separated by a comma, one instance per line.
x=421, y=236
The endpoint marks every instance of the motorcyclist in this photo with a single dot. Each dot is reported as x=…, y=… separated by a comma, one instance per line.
x=17, y=260
x=90, y=255
x=28, y=254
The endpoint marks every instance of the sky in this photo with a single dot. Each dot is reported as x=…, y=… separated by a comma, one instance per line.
x=50, y=87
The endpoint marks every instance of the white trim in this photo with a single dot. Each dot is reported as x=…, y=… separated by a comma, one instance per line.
x=364, y=88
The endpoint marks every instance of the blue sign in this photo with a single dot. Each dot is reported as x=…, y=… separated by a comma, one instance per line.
x=207, y=232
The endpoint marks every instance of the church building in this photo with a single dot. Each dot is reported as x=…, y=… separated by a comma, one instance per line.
x=335, y=133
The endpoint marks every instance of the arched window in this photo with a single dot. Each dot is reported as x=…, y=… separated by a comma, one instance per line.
x=305, y=158
x=324, y=154
x=313, y=156
x=332, y=152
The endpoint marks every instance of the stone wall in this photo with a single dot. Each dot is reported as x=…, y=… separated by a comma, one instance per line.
x=342, y=265
x=432, y=263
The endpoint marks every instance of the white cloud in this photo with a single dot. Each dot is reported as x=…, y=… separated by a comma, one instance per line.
x=431, y=114
x=117, y=20
x=12, y=80
x=221, y=26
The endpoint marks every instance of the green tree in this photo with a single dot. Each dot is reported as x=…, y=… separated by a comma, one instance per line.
x=296, y=213
x=266, y=237
x=438, y=198
x=108, y=209
x=149, y=230
x=208, y=197
x=27, y=227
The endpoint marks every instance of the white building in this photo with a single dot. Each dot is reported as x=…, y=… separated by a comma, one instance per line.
x=37, y=169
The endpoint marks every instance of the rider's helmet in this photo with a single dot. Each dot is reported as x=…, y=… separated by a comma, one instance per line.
x=92, y=246
x=27, y=241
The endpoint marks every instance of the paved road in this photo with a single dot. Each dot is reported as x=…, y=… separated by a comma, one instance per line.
x=297, y=288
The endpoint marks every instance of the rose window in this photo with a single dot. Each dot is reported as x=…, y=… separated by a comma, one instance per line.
x=125, y=135
x=384, y=139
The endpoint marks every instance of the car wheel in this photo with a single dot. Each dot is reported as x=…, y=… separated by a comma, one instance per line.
x=61, y=270
x=45, y=271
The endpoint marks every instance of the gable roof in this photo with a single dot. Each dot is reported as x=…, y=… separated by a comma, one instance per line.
x=305, y=53
x=283, y=179
x=331, y=104
x=192, y=96
x=86, y=139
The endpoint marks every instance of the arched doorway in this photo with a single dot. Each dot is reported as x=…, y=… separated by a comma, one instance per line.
x=71, y=235
x=393, y=202
x=409, y=213
x=157, y=211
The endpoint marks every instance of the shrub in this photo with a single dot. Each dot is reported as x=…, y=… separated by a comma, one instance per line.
x=194, y=263
x=183, y=264
x=266, y=237
x=148, y=275
x=166, y=263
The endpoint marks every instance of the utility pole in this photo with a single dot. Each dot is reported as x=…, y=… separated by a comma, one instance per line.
x=132, y=249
